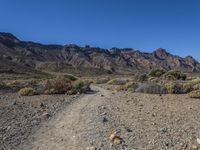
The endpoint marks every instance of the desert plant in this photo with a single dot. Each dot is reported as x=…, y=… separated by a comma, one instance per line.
x=59, y=85
x=195, y=94
x=78, y=86
x=195, y=81
x=151, y=88
x=101, y=80
x=117, y=82
x=170, y=87
x=142, y=78
x=156, y=72
x=71, y=77
x=196, y=87
x=175, y=75
x=187, y=87
x=130, y=86
x=3, y=85
x=178, y=88
x=27, y=91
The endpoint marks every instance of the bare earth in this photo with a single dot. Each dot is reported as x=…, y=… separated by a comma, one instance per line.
x=143, y=121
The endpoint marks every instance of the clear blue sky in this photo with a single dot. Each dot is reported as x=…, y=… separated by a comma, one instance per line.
x=139, y=24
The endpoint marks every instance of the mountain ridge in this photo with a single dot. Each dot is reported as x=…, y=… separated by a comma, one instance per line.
x=50, y=57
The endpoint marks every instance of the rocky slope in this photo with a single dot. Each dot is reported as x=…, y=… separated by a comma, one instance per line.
x=21, y=54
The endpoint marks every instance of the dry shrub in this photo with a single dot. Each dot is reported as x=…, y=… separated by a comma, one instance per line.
x=195, y=94
x=59, y=85
x=62, y=85
x=101, y=80
x=81, y=87
x=71, y=77
x=3, y=85
x=130, y=86
x=142, y=77
x=27, y=91
x=117, y=82
x=151, y=88
x=156, y=72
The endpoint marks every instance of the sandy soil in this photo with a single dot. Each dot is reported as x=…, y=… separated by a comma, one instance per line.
x=142, y=121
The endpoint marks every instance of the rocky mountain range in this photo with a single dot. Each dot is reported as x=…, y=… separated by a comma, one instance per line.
x=16, y=54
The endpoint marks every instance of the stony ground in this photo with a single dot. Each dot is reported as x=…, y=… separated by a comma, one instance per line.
x=142, y=122
x=21, y=116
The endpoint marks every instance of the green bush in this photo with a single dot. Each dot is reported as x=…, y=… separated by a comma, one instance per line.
x=156, y=72
x=27, y=91
x=175, y=75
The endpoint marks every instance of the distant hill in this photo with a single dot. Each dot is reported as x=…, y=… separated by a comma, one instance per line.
x=16, y=54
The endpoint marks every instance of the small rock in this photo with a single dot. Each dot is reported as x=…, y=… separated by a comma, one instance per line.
x=8, y=128
x=91, y=148
x=128, y=129
x=163, y=130
x=14, y=103
x=198, y=141
x=194, y=147
x=102, y=95
x=103, y=107
x=166, y=144
x=104, y=119
x=45, y=115
x=104, y=113
x=41, y=105
x=34, y=122
x=4, y=138
x=112, y=136
x=117, y=141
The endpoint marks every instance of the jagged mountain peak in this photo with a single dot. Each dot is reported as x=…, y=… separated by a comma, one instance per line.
x=8, y=37
x=161, y=53
x=119, y=60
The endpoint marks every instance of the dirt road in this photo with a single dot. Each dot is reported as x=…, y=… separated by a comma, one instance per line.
x=75, y=127
x=144, y=122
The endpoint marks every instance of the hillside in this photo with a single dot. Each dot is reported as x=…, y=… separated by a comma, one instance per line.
x=16, y=54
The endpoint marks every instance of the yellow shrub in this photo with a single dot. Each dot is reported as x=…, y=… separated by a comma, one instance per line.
x=27, y=91
x=195, y=94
